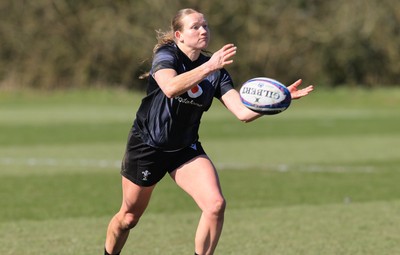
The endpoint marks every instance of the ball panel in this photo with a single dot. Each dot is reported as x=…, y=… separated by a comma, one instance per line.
x=265, y=96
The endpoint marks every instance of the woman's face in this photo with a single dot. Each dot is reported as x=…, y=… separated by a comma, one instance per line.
x=195, y=33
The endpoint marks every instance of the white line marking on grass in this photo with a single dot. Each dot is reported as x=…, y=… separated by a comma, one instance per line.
x=103, y=163
x=107, y=163
x=297, y=167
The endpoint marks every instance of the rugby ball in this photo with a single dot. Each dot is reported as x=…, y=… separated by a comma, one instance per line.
x=265, y=96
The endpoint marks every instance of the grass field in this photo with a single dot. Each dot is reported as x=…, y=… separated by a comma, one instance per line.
x=320, y=178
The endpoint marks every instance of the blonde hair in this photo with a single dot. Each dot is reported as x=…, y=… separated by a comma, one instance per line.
x=168, y=37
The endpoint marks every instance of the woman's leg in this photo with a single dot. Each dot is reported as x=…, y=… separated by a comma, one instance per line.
x=199, y=179
x=134, y=202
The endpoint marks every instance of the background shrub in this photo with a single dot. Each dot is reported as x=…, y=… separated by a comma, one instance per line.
x=69, y=43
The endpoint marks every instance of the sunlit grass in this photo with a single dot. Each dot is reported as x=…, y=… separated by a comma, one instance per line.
x=320, y=178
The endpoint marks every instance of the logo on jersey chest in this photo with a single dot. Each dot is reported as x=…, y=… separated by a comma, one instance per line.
x=195, y=92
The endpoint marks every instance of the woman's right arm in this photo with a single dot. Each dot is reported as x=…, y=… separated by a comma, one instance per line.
x=174, y=85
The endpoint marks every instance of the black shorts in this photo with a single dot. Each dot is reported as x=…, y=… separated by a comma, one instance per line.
x=145, y=165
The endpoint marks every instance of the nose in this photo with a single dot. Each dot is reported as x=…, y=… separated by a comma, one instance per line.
x=204, y=29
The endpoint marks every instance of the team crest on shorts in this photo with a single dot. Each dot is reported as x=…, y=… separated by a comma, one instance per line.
x=145, y=175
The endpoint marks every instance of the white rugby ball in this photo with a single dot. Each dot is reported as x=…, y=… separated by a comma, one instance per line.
x=264, y=95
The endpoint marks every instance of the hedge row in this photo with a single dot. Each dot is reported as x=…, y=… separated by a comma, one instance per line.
x=71, y=43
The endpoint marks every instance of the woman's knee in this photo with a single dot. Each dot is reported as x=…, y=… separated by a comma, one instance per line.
x=216, y=207
x=128, y=221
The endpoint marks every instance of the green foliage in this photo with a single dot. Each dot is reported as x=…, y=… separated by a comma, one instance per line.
x=53, y=44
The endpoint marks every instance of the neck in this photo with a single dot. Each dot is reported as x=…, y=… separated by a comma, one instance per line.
x=192, y=54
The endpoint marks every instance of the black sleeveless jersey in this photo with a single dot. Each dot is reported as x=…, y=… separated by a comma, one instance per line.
x=172, y=123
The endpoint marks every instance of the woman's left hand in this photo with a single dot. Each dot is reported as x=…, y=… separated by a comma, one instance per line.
x=299, y=93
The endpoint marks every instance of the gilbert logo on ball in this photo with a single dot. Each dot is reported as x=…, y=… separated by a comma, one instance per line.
x=264, y=95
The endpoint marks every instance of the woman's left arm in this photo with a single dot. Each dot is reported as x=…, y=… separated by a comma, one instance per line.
x=233, y=103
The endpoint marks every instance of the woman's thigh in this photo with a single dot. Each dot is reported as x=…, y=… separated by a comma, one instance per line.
x=135, y=198
x=199, y=178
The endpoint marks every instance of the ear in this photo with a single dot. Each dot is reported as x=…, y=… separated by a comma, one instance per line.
x=178, y=36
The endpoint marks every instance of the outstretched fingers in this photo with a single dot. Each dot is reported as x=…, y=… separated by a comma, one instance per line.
x=224, y=56
x=293, y=87
x=229, y=51
x=302, y=92
x=299, y=93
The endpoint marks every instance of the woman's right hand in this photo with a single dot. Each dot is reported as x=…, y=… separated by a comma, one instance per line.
x=222, y=57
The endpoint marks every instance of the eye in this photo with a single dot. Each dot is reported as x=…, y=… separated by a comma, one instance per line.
x=197, y=27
